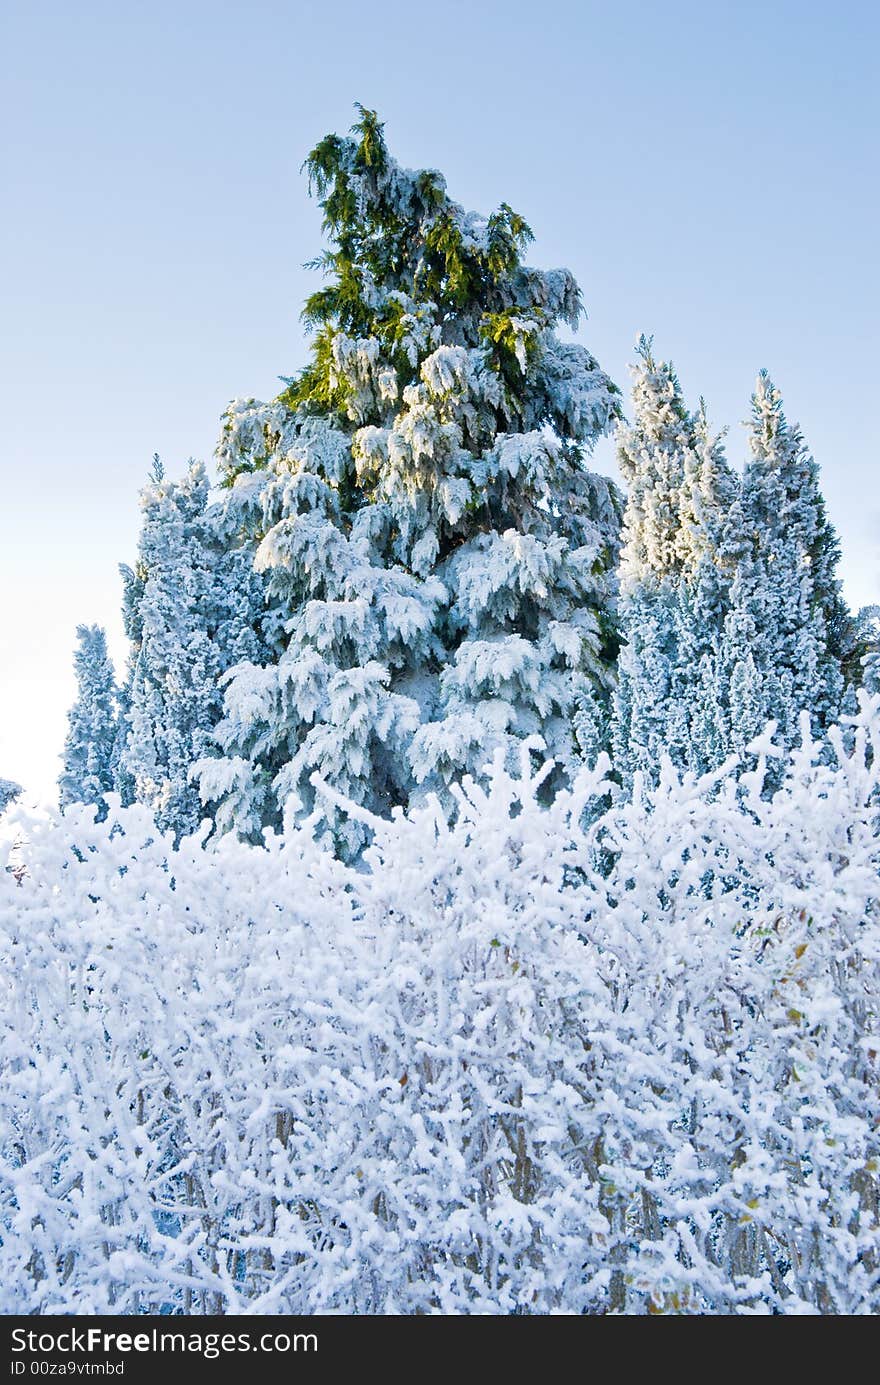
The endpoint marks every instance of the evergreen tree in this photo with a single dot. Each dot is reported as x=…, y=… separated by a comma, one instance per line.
x=190, y=608
x=731, y=609
x=92, y=722
x=868, y=644
x=673, y=579
x=439, y=560
x=9, y=792
x=133, y=581
x=788, y=629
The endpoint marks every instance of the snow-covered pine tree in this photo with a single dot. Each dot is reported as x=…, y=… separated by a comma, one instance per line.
x=439, y=559
x=867, y=625
x=191, y=609
x=92, y=722
x=9, y=792
x=710, y=493
x=788, y=629
x=673, y=583
x=133, y=580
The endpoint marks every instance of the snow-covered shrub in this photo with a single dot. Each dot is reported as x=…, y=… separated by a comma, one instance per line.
x=478, y=1074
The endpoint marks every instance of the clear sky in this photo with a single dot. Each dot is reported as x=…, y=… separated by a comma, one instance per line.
x=707, y=170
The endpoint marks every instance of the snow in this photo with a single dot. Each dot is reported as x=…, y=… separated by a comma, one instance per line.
x=532, y=1060
x=440, y=1009
x=423, y=512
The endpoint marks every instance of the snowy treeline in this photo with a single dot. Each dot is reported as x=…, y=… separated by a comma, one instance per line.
x=423, y=562
x=516, y=967
x=543, y=1059
x=730, y=607
x=410, y=566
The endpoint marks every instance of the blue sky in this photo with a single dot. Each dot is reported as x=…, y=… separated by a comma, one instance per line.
x=707, y=171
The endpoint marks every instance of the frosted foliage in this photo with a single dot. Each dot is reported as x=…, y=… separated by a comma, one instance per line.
x=731, y=611
x=192, y=608
x=674, y=581
x=9, y=792
x=477, y=1075
x=91, y=723
x=781, y=641
x=439, y=561
x=652, y=457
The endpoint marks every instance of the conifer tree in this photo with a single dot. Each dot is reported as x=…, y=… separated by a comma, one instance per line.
x=133, y=580
x=439, y=560
x=9, y=792
x=788, y=629
x=673, y=579
x=710, y=494
x=731, y=609
x=92, y=721
x=867, y=644
x=191, y=607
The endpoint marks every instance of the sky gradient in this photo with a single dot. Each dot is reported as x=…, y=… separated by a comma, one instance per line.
x=707, y=172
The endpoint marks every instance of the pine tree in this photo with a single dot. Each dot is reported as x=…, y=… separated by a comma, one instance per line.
x=731, y=609
x=133, y=581
x=673, y=580
x=709, y=497
x=439, y=560
x=190, y=608
x=653, y=455
x=788, y=629
x=867, y=643
x=92, y=721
